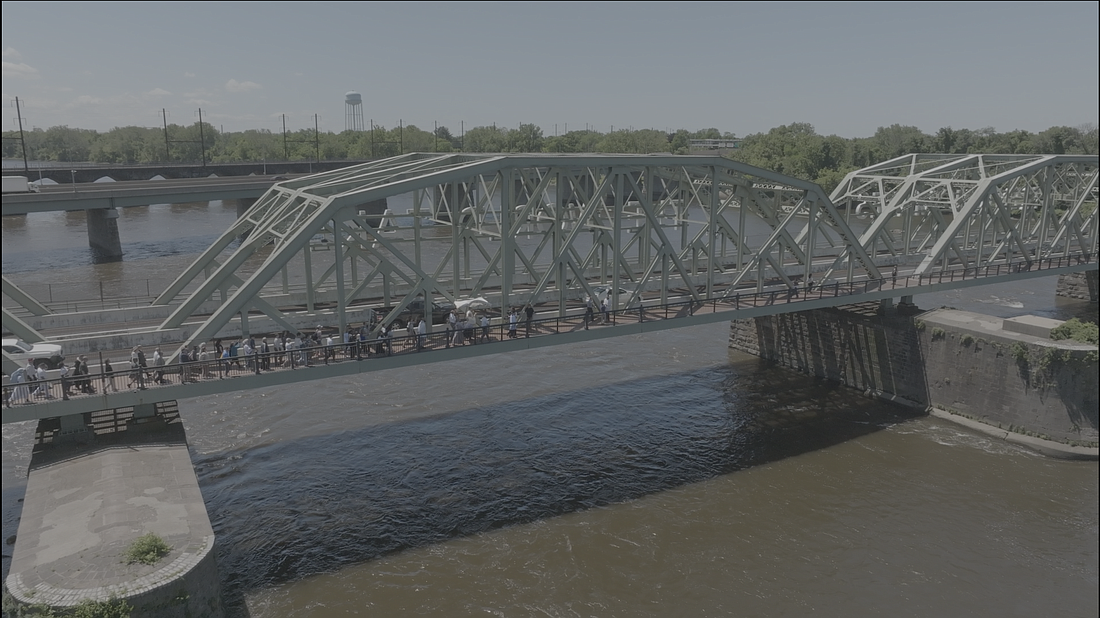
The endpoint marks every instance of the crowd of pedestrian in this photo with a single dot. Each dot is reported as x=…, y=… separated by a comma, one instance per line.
x=222, y=358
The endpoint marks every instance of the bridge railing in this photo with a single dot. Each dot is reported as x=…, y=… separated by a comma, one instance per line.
x=309, y=352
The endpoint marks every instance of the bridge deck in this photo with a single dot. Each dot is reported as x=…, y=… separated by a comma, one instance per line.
x=56, y=397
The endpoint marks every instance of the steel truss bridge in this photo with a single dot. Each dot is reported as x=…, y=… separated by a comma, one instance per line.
x=685, y=240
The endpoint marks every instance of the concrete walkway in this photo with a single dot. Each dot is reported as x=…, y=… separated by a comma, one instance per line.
x=85, y=504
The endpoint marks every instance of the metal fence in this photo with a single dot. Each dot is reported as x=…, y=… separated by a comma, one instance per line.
x=302, y=354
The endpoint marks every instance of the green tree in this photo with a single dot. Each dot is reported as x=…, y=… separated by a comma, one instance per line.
x=897, y=140
x=486, y=139
x=528, y=138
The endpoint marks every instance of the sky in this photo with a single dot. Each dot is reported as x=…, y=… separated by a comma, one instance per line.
x=846, y=68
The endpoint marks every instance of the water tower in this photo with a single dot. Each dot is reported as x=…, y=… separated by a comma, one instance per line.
x=353, y=112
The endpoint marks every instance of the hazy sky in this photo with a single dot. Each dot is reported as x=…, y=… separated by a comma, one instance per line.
x=845, y=68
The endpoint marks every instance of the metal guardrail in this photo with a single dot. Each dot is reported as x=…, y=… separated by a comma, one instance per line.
x=362, y=349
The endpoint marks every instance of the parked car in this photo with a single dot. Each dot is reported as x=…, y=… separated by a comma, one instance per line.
x=20, y=351
x=415, y=310
x=626, y=298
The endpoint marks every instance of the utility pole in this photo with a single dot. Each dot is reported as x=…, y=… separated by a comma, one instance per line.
x=202, y=139
x=22, y=138
x=167, y=154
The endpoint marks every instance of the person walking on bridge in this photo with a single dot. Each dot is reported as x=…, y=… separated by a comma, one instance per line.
x=108, y=376
x=65, y=383
x=22, y=392
x=452, y=323
x=158, y=362
x=529, y=311
x=265, y=355
x=43, y=389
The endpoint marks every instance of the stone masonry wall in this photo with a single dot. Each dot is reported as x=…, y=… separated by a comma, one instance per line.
x=862, y=351
x=1017, y=382
x=1082, y=286
x=1042, y=388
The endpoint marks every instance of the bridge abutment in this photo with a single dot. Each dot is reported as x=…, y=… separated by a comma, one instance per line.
x=964, y=366
x=1082, y=286
x=126, y=475
x=103, y=235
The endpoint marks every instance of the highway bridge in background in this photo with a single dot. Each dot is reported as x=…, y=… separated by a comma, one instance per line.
x=79, y=173
x=103, y=195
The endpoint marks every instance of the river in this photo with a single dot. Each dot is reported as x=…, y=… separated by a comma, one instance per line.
x=655, y=475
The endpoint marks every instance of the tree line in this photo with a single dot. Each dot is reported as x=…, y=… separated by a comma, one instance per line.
x=795, y=149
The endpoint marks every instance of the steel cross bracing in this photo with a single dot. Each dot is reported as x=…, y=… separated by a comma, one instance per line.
x=968, y=211
x=549, y=228
x=513, y=229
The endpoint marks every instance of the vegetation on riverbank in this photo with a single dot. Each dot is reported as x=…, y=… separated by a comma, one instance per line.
x=795, y=149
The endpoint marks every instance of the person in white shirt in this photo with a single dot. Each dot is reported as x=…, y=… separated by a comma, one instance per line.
x=43, y=389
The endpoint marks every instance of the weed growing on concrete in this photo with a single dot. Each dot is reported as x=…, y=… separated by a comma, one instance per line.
x=147, y=549
x=115, y=608
x=919, y=324
x=938, y=333
x=967, y=340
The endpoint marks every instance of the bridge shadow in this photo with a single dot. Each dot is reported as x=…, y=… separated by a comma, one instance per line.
x=296, y=508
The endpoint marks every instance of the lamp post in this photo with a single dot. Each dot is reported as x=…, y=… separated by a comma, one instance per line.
x=74, y=180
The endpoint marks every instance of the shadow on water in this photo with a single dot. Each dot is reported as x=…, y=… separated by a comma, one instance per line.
x=296, y=508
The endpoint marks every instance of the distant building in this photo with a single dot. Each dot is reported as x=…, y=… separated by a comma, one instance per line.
x=711, y=145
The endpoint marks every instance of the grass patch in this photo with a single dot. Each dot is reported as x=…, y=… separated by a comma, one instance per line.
x=115, y=608
x=147, y=549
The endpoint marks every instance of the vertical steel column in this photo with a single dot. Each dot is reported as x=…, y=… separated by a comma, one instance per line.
x=341, y=295
x=310, y=297
x=617, y=238
x=507, y=239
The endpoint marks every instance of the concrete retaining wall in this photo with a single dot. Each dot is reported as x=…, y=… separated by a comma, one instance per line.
x=957, y=361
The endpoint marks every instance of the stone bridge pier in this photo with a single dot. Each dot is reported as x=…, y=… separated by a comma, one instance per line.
x=1082, y=286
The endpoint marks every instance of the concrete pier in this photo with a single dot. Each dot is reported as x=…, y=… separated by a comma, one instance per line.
x=103, y=234
x=96, y=485
x=243, y=204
